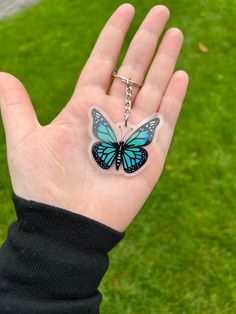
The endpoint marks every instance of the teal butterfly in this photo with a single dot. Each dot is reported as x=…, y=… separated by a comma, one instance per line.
x=130, y=153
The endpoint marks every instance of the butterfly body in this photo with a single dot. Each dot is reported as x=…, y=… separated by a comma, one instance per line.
x=119, y=154
x=130, y=152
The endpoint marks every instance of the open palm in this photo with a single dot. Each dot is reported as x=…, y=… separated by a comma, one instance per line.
x=50, y=164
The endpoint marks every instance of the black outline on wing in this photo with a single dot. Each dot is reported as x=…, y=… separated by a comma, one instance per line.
x=99, y=160
x=149, y=126
x=136, y=166
x=99, y=118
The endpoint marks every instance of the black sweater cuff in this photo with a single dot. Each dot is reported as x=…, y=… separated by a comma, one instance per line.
x=53, y=260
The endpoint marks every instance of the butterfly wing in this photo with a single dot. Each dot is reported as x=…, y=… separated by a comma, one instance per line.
x=133, y=158
x=105, y=151
x=144, y=134
x=101, y=128
x=133, y=155
x=104, y=154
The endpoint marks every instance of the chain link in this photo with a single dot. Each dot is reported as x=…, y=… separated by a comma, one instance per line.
x=128, y=101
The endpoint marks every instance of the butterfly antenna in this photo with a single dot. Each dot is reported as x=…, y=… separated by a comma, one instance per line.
x=120, y=132
x=131, y=129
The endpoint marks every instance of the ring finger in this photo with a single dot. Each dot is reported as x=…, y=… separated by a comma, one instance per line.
x=160, y=72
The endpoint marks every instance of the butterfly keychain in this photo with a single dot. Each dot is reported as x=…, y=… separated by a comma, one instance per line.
x=126, y=155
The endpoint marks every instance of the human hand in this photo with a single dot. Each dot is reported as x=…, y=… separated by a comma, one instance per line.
x=50, y=164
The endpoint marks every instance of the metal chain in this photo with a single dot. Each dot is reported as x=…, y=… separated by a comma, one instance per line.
x=128, y=96
x=128, y=101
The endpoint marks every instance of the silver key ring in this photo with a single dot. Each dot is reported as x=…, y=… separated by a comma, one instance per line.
x=126, y=80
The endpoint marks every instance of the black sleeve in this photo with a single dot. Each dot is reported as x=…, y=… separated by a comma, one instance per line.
x=53, y=261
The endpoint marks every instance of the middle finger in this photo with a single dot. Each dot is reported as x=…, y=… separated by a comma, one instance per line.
x=141, y=50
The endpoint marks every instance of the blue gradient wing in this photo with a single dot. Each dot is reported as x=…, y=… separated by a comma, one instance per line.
x=101, y=128
x=134, y=155
x=133, y=158
x=104, y=154
x=143, y=135
x=105, y=151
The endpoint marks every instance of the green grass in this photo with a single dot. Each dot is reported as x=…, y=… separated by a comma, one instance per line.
x=179, y=255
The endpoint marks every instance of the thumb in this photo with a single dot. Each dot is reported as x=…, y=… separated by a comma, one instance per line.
x=17, y=112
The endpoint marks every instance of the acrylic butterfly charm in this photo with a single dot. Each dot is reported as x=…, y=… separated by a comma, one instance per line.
x=130, y=152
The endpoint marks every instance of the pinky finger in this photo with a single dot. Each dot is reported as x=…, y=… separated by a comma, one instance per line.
x=170, y=108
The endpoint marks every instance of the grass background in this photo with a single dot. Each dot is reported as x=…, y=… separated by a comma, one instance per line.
x=179, y=256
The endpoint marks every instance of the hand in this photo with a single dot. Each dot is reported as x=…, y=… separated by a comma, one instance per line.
x=50, y=164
